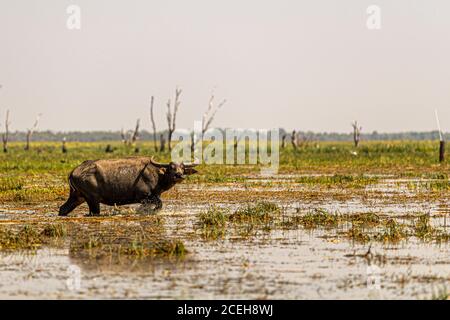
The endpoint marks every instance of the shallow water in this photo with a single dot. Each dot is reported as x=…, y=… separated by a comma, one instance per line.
x=293, y=264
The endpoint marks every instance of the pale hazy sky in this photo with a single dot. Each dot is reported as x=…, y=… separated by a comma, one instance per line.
x=309, y=65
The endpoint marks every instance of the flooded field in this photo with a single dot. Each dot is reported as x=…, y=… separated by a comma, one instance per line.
x=293, y=236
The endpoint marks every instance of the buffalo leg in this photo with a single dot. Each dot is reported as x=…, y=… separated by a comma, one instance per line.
x=73, y=202
x=94, y=208
x=156, y=201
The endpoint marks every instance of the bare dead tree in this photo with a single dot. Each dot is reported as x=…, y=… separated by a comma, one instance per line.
x=135, y=135
x=123, y=135
x=356, y=133
x=441, y=139
x=300, y=140
x=5, y=135
x=283, y=141
x=63, y=145
x=303, y=140
x=153, y=123
x=210, y=113
x=109, y=149
x=172, y=115
x=192, y=141
x=237, y=139
x=131, y=136
x=208, y=117
x=31, y=131
x=162, y=143
x=294, y=139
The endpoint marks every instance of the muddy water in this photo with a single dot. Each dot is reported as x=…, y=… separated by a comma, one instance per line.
x=294, y=264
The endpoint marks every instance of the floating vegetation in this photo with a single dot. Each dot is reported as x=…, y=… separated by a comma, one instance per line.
x=422, y=227
x=320, y=218
x=356, y=233
x=28, y=237
x=359, y=227
x=430, y=185
x=95, y=248
x=55, y=230
x=94, y=239
x=441, y=294
x=392, y=232
x=246, y=220
x=212, y=223
x=261, y=212
x=347, y=180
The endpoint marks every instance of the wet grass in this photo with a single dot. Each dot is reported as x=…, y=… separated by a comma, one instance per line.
x=29, y=236
x=422, y=227
x=393, y=231
x=441, y=294
x=259, y=213
x=212, y=223
x=364, y=227
x=136, y=238
x=340, y=180
x=41, y=173
x=430, y=186
x=92, y=239
x=320, y=218
x=137, y=247
x=246, y=220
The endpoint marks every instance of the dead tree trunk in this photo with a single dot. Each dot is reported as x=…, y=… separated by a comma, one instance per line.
x=124, y=137
x=153, y=123
x=63, y=146
x=210, y=113
x=109, y=149
x=441, y=139
x=192, y=142
x=283, y=141
x=172, y=116
x=208, y=117
x=294, y=139
x=31, y=131
x=5, y=136
x=356, y=133
x=162, y=143
x=133, y=136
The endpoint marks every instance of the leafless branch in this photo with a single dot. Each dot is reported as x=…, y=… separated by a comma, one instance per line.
x=123, y=135
x=135, y=134
x=130, y=137
x=208, y=117
x=356, y=133
x=31, y=131
x=153, y=123
x=210, y=113
x=5, y=135
x=172, y=115
x=294, y=139
x=63, y=145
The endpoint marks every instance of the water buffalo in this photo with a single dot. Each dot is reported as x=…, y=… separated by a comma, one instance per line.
x=122, y=181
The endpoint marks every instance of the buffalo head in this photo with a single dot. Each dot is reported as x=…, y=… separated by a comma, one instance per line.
x=176, y=172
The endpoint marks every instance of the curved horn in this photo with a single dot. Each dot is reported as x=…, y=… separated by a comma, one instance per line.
x=192, y=164
x=159, y=165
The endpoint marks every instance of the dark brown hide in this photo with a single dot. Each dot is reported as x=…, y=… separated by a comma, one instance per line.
x=122, y=181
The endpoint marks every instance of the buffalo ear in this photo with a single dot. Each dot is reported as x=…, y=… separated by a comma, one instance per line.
x=162, y=171
x=189, y=171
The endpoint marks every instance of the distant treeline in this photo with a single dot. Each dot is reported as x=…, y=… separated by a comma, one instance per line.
x=145, y=135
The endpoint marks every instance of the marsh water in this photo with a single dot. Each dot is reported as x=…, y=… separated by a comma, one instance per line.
x=274, y=264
